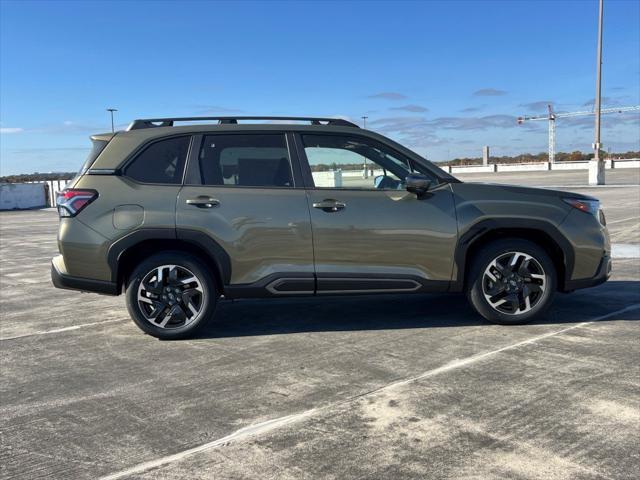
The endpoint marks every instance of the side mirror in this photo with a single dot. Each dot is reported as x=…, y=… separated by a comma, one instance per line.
x=418, y=184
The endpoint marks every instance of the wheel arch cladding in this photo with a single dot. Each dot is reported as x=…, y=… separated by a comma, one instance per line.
x=130, y=250
x=541, y=233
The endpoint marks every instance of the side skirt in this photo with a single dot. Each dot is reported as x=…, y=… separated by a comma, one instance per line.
x=301, y=284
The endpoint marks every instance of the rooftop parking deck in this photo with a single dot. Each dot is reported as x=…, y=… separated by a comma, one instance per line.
x=364, y=387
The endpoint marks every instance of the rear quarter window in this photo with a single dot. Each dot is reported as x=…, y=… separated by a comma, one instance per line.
x=96, y=149
x=161, y=162
x=97, y=146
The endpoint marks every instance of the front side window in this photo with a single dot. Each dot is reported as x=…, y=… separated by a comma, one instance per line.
x=160, y=162
x=339, y=161
x=251, y=160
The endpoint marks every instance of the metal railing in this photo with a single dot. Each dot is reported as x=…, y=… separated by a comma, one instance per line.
x=52, y=187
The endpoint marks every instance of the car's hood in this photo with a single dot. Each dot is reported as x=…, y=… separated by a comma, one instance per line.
x=500, y=190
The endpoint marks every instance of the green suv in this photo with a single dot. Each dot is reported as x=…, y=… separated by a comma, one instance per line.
x=178, y=217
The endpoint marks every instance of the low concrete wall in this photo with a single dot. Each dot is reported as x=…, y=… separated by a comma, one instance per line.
x=626, y=163
x=522, y=167
x=360, y=173
x=53, y=187
x=14, y=191
x=528, y=167
x=570, y=166
x=473, y=169
x=327, y=179
x=15, y=196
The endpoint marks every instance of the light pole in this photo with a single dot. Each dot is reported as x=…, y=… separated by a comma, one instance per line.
x=596, y=166
x=365, y=173
x=111, y=110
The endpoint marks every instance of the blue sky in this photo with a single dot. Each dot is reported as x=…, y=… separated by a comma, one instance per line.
x=444, y=78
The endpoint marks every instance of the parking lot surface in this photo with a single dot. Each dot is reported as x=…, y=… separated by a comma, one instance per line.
x=363, y=387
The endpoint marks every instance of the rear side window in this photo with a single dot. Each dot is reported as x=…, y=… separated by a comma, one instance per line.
x=96, y=149
x=251, y=160
x=160, y=162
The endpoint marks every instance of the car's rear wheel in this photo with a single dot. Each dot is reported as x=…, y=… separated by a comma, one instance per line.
x=171, y=295
x=511, y=281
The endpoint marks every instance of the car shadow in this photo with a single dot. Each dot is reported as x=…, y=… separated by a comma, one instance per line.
x=383, y=312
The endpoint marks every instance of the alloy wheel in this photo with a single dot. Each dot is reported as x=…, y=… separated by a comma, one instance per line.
x=513, y=283
x=171, y=296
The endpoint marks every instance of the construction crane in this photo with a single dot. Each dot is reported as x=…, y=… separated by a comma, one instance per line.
x=551, y=117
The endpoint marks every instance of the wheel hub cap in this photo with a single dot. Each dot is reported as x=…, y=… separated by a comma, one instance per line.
x=513, y=283
x=171, y=296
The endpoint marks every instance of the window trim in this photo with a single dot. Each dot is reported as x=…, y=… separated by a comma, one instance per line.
x=193, y=176
x=306, y=167
x=122, y=169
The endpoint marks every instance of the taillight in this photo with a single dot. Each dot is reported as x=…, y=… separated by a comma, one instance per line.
x=72, y=200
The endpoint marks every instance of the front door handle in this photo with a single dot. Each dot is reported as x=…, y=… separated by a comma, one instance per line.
x=203, y=202
x=329, y=205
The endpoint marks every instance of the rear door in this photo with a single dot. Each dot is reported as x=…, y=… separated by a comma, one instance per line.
x=243, y=191
x=369, y=233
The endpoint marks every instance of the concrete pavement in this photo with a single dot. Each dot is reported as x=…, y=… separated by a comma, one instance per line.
x=363, y=387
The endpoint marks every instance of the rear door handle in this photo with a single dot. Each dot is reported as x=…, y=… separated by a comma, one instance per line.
x=203, y=202
x=329, y=205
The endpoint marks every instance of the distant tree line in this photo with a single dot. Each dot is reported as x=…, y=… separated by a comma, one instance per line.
x=37, y=177
x=324, y=167
x=576, y=156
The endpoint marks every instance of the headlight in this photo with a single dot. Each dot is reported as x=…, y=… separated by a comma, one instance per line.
x=587, y=206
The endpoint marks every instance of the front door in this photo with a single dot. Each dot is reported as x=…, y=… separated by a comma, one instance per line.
x=369, y=233
x=242, y=192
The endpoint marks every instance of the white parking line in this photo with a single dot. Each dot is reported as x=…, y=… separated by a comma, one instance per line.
x=64, y=329
x=625, y=250
x=269, y=425
x=568, y=187
x=620, y=220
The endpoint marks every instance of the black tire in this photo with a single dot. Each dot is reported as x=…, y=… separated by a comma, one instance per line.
x=480, y=284
x=200, y=294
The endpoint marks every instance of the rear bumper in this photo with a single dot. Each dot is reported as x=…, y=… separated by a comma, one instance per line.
x=61, y=279
x=602, y=275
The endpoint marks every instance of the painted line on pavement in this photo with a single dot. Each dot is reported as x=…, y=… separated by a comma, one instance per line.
x=563, y=187
x=625, y=250
x=64, y=329
x=273, y=424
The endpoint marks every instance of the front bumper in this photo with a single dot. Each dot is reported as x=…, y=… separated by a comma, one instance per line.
x=61, y=279
x=602, y=275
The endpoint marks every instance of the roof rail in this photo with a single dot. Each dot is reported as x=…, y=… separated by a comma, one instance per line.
x=168, y=122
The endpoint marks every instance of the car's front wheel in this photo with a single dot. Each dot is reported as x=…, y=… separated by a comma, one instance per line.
x=511, y=281
x=171, y=295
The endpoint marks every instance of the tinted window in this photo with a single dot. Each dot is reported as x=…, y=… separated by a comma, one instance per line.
x=339, y=161
x=160, y=162
x=245, y=160
x=96, y=149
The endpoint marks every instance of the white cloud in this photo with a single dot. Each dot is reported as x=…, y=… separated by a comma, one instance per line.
x=411, y=108
x=388, y=95
x=489, y=92
x=8, y=130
